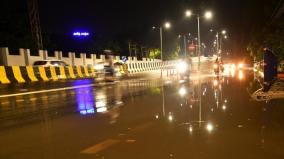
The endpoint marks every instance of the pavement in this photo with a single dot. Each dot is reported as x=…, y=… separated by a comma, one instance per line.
x=206, y=116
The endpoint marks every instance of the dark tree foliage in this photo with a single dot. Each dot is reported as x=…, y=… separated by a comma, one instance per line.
x=269, y=32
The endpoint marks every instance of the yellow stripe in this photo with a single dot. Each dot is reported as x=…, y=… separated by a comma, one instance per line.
x=17, y=74
x=100, y=146
x=71, y=72
x=62, y=72
x=93, y=72
x=3, y=76
x=79, y=71
x=42, y=73
x=86, y=71
x=31, y=73
x=53, y=73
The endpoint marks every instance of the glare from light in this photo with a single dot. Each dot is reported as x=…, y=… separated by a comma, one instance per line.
x=226, y=37
x=224, y=32
x=188, y=13
x=100, y=104
x=182, y=67
x=240, y=65
x=241, y=75
x=182, y=91
x=209, y=127
x=208, y=15
x=157, y=116
x=224, y=107
x=170, y=118
x=101, y=109
x=215, y=82
x=167, y=25
x=190, y=129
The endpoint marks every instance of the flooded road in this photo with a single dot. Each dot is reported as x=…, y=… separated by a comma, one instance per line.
x=207, y=116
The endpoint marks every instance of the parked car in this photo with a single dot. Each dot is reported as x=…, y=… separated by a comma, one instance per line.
x=47, y=63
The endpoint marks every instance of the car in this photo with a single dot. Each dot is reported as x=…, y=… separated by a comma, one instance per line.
x=47, y=63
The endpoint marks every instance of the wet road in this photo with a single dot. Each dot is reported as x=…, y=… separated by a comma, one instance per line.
x=207, y=117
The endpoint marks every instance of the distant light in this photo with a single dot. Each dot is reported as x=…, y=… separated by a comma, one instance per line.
x=157, y=116
x=170, y=117
x=215, y=82
x=208, y=15
x=224, y=32
x=224, y=107
x=182, y=91
x=226, y=37
x=83, y=34
x=190, y=129
x=153, y=27
x=209, y=127
x=167, y=25
x=188, y=13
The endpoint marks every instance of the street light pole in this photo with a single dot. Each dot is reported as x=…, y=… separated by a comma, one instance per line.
x=184, y=43
x=161, y=40
x=198, y=28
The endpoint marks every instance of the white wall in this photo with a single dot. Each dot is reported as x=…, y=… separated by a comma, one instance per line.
x=78, y=61
x=32, y=59
x=68, y=59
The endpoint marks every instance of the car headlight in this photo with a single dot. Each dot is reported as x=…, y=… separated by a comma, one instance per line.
x=182, y=67
x=99, y=67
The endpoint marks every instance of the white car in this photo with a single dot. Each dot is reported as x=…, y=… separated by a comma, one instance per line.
x=47, y=63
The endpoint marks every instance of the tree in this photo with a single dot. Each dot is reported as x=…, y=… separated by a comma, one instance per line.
x=154, y=53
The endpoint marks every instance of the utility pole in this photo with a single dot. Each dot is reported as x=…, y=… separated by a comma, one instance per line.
x=35, y=23
x=184, y=43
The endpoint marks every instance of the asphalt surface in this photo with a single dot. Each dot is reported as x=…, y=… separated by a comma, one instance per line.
x=205, y=117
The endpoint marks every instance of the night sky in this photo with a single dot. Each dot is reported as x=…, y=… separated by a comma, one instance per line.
x=132, y=20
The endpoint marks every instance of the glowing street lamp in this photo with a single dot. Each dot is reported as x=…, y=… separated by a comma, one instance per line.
x=207, y=15
x=167, y=25
x=188, y=13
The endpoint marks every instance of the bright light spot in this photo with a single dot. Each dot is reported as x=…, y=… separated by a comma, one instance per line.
x=215, y=66
x=224, y=32
x=167, y=25
x=182, y=91
x=241, y=75
x=101, y=109
x=81, y=34
x=240, y=65
x=208, y=15
x=215, y=82
x=209, y=127
x=182, y=67
x=188, y=13
x=226, y=37
x=170, y=117
x=224, y=107
x=100, y=104
x=190, y=129
x=157, y=116
x=226, y=101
